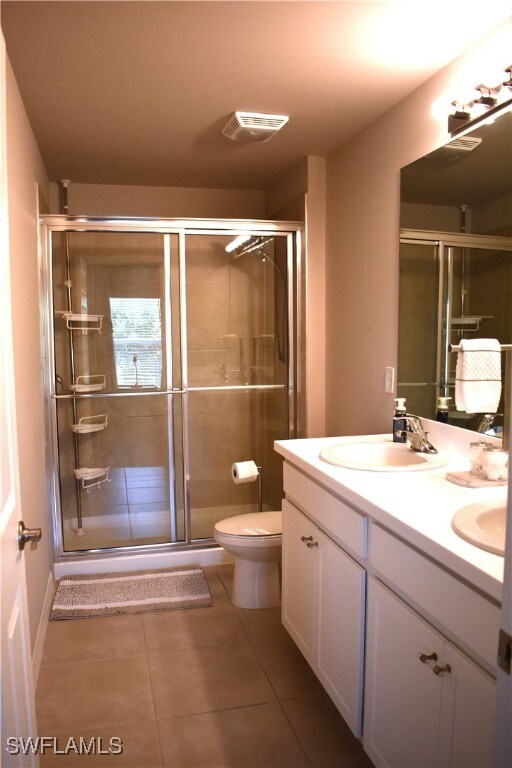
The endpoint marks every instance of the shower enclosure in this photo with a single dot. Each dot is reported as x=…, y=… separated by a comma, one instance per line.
x=169, y=354
x=452, y=286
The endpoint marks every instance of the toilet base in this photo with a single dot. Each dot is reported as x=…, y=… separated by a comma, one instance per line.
x=256, y=584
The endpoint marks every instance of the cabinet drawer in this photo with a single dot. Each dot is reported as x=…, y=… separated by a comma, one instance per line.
x=458, y=608
x=342, y=523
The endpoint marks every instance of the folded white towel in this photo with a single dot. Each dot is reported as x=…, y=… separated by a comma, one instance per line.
x=478, y=376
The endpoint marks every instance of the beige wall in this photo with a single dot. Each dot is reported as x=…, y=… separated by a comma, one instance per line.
x=300, y=196
x=362, y=240
x=167, y=202
x=25, y=170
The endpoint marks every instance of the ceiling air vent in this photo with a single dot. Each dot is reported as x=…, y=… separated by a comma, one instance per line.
x=253, y=126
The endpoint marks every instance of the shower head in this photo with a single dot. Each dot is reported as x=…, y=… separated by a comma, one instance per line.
x=256, y=246
x=251, y=245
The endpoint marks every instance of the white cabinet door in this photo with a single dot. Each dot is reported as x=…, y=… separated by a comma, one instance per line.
x=402, y=694
x=467, y=720
x=299, y=579
x=340, y=649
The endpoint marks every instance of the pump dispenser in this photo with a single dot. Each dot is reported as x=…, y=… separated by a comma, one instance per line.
x=442, y=409
x=399, y=435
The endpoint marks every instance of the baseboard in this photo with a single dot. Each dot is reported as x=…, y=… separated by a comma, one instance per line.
x=37, y=653
x=131, y=562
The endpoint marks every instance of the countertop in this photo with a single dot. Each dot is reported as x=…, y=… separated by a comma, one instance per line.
x=417, y=506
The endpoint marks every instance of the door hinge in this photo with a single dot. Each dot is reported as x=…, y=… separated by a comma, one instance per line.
x=505, y=651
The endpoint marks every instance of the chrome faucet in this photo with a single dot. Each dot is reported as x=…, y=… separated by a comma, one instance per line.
x=410, y=430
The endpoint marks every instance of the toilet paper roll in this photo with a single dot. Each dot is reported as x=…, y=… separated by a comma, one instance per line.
x=244, y=472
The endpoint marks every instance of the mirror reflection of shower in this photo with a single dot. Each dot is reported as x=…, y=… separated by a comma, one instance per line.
x=451, y=287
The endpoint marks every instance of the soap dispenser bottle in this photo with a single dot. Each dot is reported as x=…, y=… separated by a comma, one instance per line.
x=442, y=409
x=399, y=435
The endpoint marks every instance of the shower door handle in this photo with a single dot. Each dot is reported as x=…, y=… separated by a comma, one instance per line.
x=25, y=535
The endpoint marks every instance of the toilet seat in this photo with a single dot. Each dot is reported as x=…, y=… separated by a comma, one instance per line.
x=254, y=525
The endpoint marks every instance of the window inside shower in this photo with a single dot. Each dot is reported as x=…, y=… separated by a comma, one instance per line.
x=170, y=362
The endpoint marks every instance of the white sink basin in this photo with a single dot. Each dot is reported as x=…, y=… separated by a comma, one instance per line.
x=482, y=524
x=380, y=457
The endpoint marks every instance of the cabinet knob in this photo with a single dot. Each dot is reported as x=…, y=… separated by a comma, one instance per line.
x=311, y=544
x=439, y=671
x=425, y=658
x=306, y=538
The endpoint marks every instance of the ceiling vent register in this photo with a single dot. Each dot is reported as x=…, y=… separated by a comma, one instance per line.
x=253, y=126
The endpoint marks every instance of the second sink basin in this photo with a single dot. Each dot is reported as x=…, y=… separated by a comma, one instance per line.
x=380, y=457
x=482, y=524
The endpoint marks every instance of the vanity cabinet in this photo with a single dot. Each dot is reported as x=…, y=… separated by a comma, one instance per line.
x=427, y=703
x=417, y=616
x=323, y=610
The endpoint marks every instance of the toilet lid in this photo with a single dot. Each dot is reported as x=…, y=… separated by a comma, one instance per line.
x=252, y=524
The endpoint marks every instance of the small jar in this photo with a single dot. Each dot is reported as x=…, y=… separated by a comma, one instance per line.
x=476, y=455
x=494, y=463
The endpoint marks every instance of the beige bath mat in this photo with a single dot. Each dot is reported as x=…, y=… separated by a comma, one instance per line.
x=109, y=594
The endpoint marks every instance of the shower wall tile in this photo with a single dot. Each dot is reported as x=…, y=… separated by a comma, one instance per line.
x=140, y=512
x=151, y=531
x=156, y=471
x=224, y=402
x=243, y=495
x=148, y=481
x=148, y=495
x=209, y=493
x=206, y=262
x=418, y=365
x=207, y=311
x=144, y=513
x=207, y=368
x=102, y=498
x=135, y=442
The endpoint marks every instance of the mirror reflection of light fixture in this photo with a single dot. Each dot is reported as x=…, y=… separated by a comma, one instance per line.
x=485, y=103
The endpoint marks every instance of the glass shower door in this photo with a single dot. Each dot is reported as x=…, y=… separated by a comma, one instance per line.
x=237, y=372
x=116, y=307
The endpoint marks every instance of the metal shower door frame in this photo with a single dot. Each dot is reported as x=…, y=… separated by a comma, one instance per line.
x=179, y=228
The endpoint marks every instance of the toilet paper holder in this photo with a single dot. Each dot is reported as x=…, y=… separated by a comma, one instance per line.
x=234, y=470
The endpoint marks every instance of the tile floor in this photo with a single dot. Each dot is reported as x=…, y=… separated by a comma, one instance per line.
x=217, y=687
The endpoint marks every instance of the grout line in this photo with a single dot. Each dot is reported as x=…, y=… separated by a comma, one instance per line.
x=151, y=690
x=214, y=711
x=92, y=661
x=290, y=723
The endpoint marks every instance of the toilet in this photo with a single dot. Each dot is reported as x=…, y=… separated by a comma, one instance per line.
x=255, y=540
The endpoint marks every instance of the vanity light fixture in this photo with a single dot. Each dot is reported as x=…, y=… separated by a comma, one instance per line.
x=486, y=102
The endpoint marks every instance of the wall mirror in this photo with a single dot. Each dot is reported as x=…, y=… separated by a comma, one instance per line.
x=455, y=265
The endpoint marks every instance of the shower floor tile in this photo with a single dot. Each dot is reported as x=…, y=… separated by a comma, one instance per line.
x=132, y=509
x=218, y=687
x=99, y=531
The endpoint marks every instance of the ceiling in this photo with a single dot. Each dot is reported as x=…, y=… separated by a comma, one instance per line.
x=138, y=92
